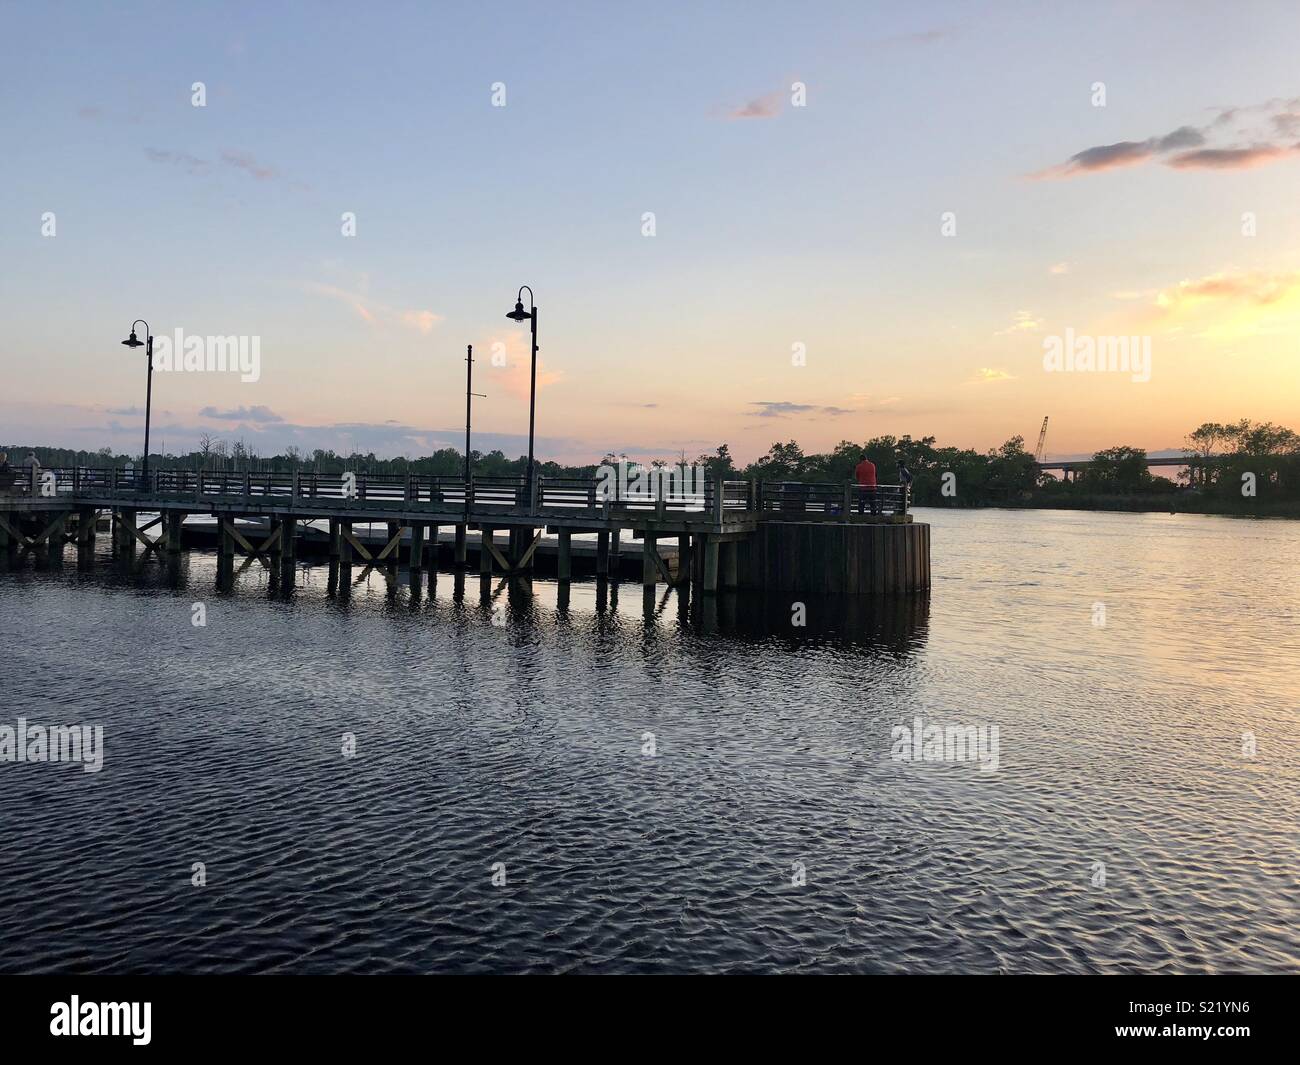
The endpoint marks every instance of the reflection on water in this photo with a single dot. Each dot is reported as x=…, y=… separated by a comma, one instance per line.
x=670, y=782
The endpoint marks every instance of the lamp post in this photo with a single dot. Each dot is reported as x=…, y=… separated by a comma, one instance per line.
x=147, y=344
x=530, y=315
x=469, y=392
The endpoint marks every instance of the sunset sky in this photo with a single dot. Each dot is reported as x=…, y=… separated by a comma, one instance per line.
x=776, y=225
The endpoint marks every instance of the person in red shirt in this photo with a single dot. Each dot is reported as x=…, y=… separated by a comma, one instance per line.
x=866, y=474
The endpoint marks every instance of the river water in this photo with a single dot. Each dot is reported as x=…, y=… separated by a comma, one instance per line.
x=600, y=782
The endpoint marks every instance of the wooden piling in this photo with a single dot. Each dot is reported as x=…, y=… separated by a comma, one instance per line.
x=462, y=552
x=288, y=541
x=602, y=554
x=417, y=547
x=172, y=522
x=564, y=560
x=484, y=550
x=649, y=565
x=85, y=533
x=56, y=539
x=710, y=565
x=127, y=531
x=728, y=564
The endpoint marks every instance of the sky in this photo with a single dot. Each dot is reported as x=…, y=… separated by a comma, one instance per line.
x=742, y=223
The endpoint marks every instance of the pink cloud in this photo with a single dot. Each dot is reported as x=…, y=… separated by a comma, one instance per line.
x=1230, y=158
x=768, y=106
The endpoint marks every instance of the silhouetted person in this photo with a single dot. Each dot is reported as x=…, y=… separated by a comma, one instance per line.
x=33, y=465
x=6, y=473
x=904, y=481
x=867, y=490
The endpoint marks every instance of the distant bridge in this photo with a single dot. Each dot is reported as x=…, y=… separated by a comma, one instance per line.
x=1070, y=467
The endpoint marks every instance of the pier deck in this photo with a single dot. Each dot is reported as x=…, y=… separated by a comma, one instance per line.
x=715, y=527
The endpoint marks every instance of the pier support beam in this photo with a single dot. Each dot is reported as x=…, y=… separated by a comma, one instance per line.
x=649, y=560
x=344, y=544
x=86, y=517
x=123, y=528
x=172, y=522
x=564, y=560
x=710, y=565
x=485, y=550
x=287, y=547
x=394, y=529
x=58, y=536
x=417, y=548
x=729, y=564
x=602, y=554
x=226, y=542
x=461, y=551
x=615, y=545
x=683, y=558
x=334, y=538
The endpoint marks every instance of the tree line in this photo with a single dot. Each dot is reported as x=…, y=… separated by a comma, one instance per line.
x=1219, y=455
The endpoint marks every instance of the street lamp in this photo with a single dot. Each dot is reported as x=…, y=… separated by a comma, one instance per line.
x=133, y=342
x=530, y=315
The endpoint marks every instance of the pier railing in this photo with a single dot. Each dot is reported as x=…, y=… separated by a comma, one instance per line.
x=774, y=499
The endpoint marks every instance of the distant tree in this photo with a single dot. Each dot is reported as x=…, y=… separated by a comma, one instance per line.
x=783, y=462
x=719, y=465
x=1118, y=469
x=1265, y=438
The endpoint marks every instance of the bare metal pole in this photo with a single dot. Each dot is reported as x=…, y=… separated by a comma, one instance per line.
x=469, y=391
x=469, y=394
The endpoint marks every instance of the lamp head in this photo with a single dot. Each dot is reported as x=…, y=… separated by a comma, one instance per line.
x=133, y=341
x=519, y=314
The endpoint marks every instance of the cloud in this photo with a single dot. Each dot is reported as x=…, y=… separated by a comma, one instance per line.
x=1182, y=137
x=1287, y=123
x=191, y=163
x=1102, y=157
x=1059, y=268
x=1253, y=289
x=784, y=408
x=515, y=374
x=231, y=157
x=1025, y=323
x=1231, y=158
x=920, y=37
x=372, y=312
x=242, y=160
x=1186, y=147
x=987, y=373
x=424, y=321
x=258, y=414
x=1224, y=308
x=768, y=106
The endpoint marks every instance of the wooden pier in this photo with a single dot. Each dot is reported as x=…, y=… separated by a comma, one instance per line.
x=787, y=536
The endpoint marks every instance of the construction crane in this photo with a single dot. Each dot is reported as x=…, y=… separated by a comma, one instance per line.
x=1042, y=439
